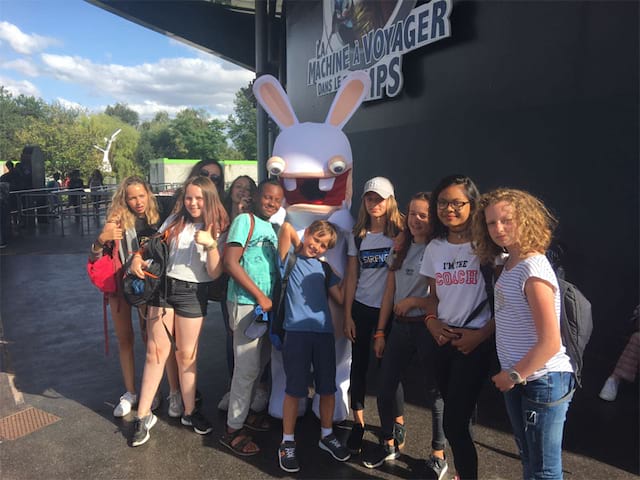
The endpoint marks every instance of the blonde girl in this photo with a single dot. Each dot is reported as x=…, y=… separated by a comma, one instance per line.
x=379, y=221
x=536, y=377
x=180, y=305
x=131, y=219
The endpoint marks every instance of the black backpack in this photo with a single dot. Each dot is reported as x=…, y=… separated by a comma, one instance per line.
x=138, y=291
x=576, y=324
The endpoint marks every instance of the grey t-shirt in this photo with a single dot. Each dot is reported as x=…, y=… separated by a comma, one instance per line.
x=372, y=257
x=409, y=282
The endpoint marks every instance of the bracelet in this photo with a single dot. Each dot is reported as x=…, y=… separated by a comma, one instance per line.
x=211, y=246
x=378, y=335
x=429, y=317
x=379, y=329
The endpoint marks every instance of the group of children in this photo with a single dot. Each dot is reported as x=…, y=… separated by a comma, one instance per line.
x=419, y=282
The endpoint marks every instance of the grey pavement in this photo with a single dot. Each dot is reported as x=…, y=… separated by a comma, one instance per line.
x=52, y=347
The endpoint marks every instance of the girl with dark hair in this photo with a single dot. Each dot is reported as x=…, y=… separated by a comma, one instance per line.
x=180, y=305
x=213, y=169
x=405, y=297
x=379, y=222
x=131, y=219
x=458, y=314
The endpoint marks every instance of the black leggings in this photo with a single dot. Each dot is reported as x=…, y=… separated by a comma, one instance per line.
x=405, y=340
x=460, y=378
x=366, y=320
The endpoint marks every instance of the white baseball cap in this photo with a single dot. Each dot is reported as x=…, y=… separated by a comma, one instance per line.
x=380, y=185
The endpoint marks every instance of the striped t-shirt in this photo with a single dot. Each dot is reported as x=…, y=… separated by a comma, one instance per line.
x=515, y=330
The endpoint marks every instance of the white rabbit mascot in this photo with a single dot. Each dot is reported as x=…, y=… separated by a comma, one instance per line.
x=314, y=164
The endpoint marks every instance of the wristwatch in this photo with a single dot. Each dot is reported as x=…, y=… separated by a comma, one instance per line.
x=515, y=377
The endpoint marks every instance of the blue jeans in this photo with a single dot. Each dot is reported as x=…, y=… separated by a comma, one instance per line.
x=537, y=412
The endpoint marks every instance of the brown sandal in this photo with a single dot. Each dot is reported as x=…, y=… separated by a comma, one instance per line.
x=239, y=447
x=258, y=422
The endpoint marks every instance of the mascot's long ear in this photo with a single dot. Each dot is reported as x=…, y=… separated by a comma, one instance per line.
x=274, y=100
x=349, y=97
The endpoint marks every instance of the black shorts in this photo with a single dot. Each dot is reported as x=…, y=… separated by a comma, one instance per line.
x=188, y=299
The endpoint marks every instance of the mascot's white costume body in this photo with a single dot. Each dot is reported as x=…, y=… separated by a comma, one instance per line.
x=314, y=164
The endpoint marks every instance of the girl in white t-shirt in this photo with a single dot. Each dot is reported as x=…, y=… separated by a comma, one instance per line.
x=379, y=221
x=180, y=305
x=458, y=315
x=536, y=376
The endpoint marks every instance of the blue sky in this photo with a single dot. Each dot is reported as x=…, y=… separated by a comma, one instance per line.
x=80, y=55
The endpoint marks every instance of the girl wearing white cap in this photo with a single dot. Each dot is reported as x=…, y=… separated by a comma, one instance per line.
x=379, y=221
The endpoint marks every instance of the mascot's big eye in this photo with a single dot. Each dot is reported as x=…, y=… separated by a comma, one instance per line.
x=275, y=165
x=337, y=165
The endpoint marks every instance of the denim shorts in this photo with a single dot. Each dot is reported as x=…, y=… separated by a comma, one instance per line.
x=188, y=299
x=303, y=350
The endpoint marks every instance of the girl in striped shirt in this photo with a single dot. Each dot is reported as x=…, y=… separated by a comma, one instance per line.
x=536, y=376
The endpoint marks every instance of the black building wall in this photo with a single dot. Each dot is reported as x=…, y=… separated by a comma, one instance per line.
x=535, y=95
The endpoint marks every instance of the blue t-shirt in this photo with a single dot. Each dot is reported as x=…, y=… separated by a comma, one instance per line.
x=260, y=258
x=306, y=307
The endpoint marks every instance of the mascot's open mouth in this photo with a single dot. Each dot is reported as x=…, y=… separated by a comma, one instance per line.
x=329, y=191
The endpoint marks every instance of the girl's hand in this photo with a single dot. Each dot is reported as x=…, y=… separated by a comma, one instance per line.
x=440, y=331
x=205, y=237
x=137, y=266
x=244, y=205
x=111, y=231
x=467, y=340
x=502, y=381
x=378, y=346
x=350, y=328
x=265, y=302
x=403, y=307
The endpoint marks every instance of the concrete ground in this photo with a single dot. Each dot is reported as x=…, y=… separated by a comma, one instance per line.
x=52, y=348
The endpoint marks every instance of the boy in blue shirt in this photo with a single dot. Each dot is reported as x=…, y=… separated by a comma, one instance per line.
x=309, y=340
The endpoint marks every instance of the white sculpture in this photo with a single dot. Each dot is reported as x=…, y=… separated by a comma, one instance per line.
x=106, y=164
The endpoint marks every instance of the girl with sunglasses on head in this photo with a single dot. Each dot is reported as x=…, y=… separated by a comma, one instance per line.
x=131, y=219
x=180, y=305
x=536, y=377
x=458, y=314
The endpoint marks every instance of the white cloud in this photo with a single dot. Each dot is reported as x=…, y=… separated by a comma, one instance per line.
x=24, y=66
x=70, y=104
x=24, y=43
x=19, y=87
x=170, y=84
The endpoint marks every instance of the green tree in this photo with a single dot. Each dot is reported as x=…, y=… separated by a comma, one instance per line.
x=124, y=113
x=123, y=150
x=241, y=125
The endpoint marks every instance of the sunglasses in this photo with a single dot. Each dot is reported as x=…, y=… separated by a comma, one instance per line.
x=213, y=177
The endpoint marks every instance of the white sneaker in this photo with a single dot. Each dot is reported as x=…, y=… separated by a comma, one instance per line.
x=175, y=404
x=157, y=400
x=260, y=400
x=127, y=401
x=224, y=402
x=609, y=390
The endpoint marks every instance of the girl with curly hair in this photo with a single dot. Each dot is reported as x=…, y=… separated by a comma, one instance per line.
x=131, y=219
x=379, y=222
x=536, y=376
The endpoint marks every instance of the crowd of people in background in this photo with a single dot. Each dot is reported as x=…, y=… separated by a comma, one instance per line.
x=460, y=278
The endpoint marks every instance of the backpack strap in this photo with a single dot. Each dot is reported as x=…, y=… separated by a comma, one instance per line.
x=487, y=274
x=328, y=271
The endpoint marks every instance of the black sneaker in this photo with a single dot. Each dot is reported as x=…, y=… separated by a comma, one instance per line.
x=141, y=427
x=196, y=420
x=399, y=435
x=331, y=444
x=381, y=453
x=354, y=443
x=436, y=467
x=287, y=457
